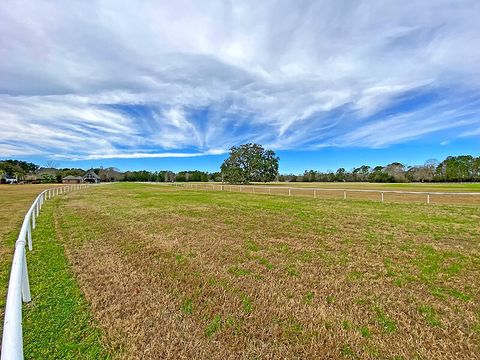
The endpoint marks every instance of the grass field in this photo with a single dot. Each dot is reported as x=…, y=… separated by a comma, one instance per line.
x=441, y=187
x=447, y=194
x=174, y=273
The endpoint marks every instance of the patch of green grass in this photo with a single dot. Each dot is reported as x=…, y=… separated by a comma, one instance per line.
x=252, y=245
x=306, y=256
x=360, y=301
x=387, y=324
x=365, y=332
x=238, y=271
x=308, y=298
x=430, y=315
x=187, y=305
x=57, y=323
x=284, y=248
x=347, y=351
x=443, y=292
x=330, y=299
x=246, y=304
x=388, y=263
x=433, y=264
x=181, y=258
x=354, y=275
x=346, y=325
x=292, y=270
x=214, y=326
x=265, y=263
x=293, y=328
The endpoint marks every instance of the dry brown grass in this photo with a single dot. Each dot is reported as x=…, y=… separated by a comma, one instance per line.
x=216, y=275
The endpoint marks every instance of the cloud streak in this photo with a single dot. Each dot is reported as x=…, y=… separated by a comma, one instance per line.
x=122, y=79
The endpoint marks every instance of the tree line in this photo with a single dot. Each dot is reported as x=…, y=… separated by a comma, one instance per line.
x=252, y=163
x=24, y=171
x=463, y=168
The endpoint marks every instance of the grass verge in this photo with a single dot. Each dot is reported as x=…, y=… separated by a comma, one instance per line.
x=57, y=323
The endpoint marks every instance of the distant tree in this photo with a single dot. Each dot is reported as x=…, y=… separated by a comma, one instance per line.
x=476, y=169
x=180, y=177
x=48, y=178
x=379, y=175
x=340, y=174
x=310, y=176
x=12, y=166
x=250, y=162
x=361, y=173
x=456, y=168
x=50, y=164
x=396, y=170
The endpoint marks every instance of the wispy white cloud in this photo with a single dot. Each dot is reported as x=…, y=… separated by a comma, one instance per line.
x=92, y=80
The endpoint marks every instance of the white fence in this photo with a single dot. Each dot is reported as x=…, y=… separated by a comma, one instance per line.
x=427, y=197
x=18, y=286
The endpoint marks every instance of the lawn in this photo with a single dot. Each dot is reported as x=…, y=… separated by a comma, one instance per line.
x=176, y=273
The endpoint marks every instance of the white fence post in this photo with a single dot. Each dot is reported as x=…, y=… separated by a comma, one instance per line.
x=382, y=197
x=26, y=296
x=289, y=192
x=29, y=236
x=428, y=198
x=344, y=195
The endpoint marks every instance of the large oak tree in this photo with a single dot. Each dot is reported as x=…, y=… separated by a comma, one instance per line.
x=248, y=163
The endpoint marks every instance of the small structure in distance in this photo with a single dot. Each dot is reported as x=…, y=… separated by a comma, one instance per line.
x=72, y=179
x=89, y=177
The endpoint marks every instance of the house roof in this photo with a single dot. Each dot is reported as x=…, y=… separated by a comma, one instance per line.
x=91, y=173
x=70, y=177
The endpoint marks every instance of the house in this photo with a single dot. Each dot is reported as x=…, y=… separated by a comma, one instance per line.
x=72, y=179
x=91, y=177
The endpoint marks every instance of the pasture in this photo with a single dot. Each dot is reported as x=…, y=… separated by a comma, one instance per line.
x=441, y=187
x=448, y=194
x=161, y=272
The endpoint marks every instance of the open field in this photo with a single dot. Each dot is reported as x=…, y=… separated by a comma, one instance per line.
x=441, y=187
x=448, y=194
x=175, y=273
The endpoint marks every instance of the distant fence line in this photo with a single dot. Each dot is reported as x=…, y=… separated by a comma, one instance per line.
x=427, y=197
x=18, y=285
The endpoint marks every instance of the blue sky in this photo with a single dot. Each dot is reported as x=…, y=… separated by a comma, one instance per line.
x=174, y=84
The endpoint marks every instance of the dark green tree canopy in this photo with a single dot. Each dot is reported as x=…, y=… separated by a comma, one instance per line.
x=250, y=162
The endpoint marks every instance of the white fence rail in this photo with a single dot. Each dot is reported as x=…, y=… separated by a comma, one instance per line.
x=379, y=195
x=18, y=286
